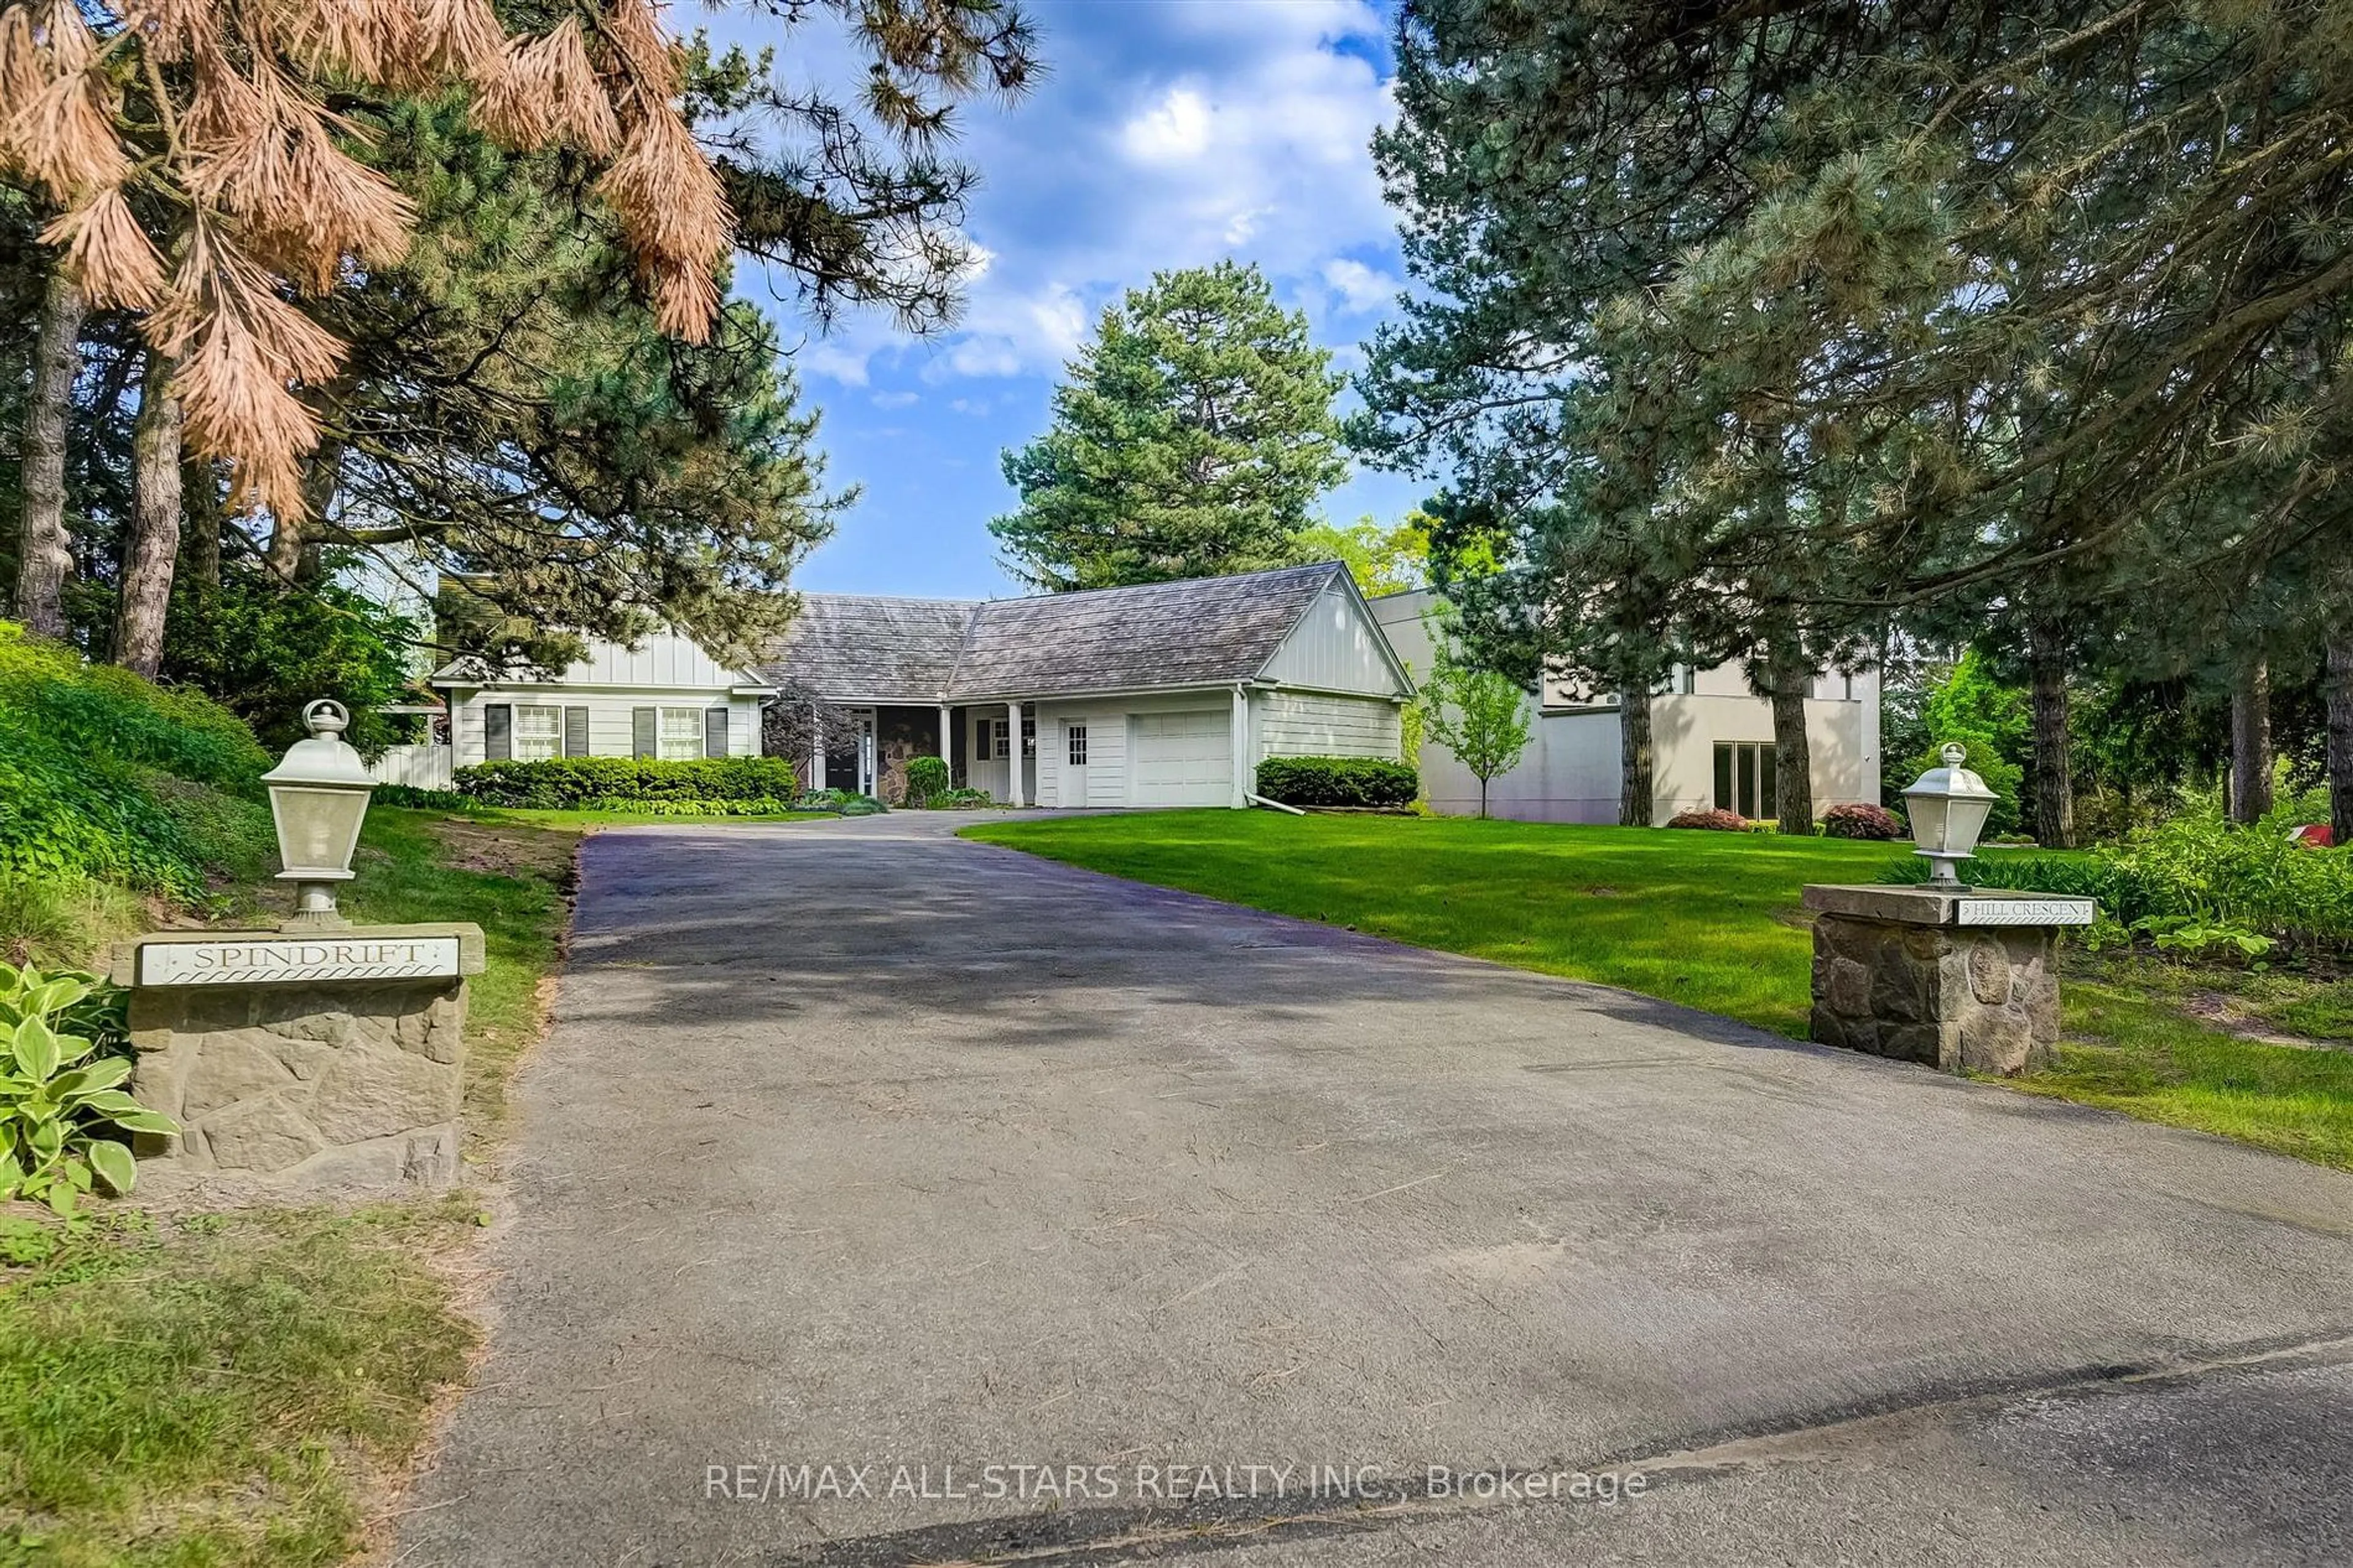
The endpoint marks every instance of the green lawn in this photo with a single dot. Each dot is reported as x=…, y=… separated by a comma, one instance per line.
x=1711, y=919
x=1714, y=920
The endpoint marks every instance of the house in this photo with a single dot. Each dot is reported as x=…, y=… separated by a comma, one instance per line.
x=665, y=698
x=1711, y=738
x=1161, y=694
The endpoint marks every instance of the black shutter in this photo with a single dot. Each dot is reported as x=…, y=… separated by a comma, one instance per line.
x=644, y=726
x=498, y=732
x=576, y=732
x=714, y=731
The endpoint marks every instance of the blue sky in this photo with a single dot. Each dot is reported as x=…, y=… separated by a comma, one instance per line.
x=1168, y=133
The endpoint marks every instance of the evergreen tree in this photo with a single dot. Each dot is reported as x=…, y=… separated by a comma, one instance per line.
x=1190, y=439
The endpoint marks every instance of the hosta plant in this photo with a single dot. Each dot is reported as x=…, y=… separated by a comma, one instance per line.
x=63, y=1112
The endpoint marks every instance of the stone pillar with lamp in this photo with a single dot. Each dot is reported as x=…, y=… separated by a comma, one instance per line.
x=1955, y=977
x=321, y=1056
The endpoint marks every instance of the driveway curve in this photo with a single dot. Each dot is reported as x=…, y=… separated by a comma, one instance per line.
x=1029, y=1200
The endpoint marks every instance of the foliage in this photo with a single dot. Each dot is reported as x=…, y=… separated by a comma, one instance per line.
x=1715, y=819
x=2195, y=872
x=1382, y=560
x=926, y=777
x=1190, y=439
x=842, y=802
x=1479, y=715
x=410, y=797
x=264, y=653
x=1860, y=819
x=961, y=800
x=105, y=775
x=58, y=1101
x=1989, y=720
x=575, y=781
x=1338, y=781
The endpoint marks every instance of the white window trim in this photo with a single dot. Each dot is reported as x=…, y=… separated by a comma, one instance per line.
x=526, y=745
x=686, y=744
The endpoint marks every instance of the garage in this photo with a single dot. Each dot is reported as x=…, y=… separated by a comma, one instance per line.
x=1184, y=759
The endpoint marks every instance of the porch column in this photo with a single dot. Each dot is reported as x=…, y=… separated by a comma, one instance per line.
x=1013, y=744
x=817, y=747
x=948, y=749
x=1243, y=781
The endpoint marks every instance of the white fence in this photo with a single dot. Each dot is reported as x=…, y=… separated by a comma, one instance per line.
x=419, y=767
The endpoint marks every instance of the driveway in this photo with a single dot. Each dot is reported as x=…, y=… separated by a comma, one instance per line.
x=1027, y=1200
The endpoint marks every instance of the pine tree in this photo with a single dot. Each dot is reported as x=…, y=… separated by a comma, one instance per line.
x=1191, y=438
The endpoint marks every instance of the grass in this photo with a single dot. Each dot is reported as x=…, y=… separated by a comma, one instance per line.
x=226, y=1391
x=1714, y=920
x=1711, y=919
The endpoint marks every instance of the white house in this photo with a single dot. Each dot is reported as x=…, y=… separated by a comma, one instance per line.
x=1710, y=737
x=664, y=698
x=1158, y=695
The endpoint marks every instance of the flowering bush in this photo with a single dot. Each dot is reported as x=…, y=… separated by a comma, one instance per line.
x=1858, y=820
x=1714, y=820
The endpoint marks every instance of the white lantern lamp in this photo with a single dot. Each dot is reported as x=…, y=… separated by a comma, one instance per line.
x=319, y=797
x=1948, y=807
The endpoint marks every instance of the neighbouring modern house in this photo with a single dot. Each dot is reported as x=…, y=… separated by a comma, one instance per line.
x=1162, y=694
x=1711, y=738
x=664, y=698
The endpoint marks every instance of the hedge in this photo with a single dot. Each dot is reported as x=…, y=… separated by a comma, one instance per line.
x=1338, y=781
x=1861, y=819
x=584, y=782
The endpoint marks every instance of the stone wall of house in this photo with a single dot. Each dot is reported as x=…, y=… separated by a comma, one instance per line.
x=1982, y=999
x=314, y=1087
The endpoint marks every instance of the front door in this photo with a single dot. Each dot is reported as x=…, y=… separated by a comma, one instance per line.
x=1074, y=790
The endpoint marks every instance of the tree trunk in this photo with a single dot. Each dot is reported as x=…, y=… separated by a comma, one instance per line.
x=2054, y=783
x=153, y=547
x=200, y=538
x=293, y=555
x=2250, y=743
x=1788, y=675
x=2340, y=736
x=1637, y=785
x=1483, y=798
x=43, y=555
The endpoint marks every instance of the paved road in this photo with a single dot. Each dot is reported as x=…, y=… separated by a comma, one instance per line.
x=857, y=1145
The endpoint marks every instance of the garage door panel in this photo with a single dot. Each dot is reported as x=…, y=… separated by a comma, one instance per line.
x=1183, y=759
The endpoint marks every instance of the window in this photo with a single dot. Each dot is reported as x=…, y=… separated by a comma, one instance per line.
x=986, y=747
x=538, y=734
x=1077, y=734
x=1029, y=737
x=681, y=734
x=1744, y=778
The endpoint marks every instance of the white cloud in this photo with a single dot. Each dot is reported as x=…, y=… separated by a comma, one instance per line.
x=1359, y=288
x=1173, y=131
x=835, y=360
x=893, y=399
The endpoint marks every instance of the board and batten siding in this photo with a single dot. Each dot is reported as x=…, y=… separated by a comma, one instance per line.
x=1310, y=724
x=610, y=717
x=1336, y=647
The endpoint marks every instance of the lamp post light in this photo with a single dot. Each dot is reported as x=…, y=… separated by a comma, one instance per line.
x=319, y=797
x=1948, y=807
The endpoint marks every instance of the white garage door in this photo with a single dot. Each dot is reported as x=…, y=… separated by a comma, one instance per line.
x=1185, y=758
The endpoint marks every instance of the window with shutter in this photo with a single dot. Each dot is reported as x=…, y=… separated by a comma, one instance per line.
x=714, y=731
x=576, y=732
x=645, y=731
x=498, y=732
x=538, y=734
x=681, y=734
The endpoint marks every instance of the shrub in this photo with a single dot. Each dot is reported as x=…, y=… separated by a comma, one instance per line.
x=2194, y=872
x=105, y=775
x=961, y=800
x=60, y=1096
x=1858, y=820
x=1713, y=820
x=573, y=782
x=927, y=777
x=410, y=797
x=1338, y=781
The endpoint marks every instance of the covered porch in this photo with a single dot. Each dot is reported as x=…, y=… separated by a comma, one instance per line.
x=976, y=740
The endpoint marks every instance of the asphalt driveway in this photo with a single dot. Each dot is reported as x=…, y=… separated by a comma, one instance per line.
x=1028, y=1201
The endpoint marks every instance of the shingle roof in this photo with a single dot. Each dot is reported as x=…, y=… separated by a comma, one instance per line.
x=1199, y=631
x=853, y=647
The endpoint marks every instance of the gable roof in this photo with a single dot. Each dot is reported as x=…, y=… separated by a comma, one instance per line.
x=1202, y=631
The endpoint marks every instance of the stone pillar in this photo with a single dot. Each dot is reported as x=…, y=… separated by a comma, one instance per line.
x=301, y=1063
x=1960, y=980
